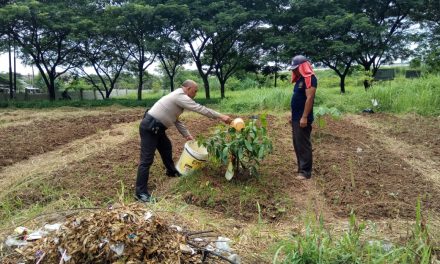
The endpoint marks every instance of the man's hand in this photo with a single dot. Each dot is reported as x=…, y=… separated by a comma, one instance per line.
x=303, y=122
x=226, y=119
x=189, y=137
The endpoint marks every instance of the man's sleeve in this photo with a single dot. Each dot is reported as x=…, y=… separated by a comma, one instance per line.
x=187, y=103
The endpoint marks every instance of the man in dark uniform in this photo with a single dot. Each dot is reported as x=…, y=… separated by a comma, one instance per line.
x=302, y=113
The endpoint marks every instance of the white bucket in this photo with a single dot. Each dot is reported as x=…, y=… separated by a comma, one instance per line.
x=193, y=157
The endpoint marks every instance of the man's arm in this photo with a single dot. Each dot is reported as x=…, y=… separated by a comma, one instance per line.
x=310, y=94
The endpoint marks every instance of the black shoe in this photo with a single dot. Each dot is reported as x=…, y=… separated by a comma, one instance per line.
x=143, y=197
x=173, y=174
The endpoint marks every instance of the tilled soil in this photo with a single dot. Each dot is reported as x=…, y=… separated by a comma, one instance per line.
x=357, y=174
x=23, y=141
x=352, y=172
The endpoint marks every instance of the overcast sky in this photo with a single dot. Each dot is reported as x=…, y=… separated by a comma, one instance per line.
x=4, y=65
x=25, y=70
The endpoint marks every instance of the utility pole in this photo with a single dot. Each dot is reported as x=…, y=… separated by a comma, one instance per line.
x=11, y=95
x=15, y=70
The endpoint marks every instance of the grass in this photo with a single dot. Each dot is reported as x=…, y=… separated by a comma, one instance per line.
x=318, y=245
x=421, y=96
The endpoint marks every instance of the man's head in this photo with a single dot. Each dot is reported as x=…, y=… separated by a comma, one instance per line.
x=296, y=61
x=190, y=88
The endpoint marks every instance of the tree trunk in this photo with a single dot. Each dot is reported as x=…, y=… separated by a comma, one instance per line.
x=342, y=83
x=276, y=76
x=15, y=71
x=222, y=88
x=141, y=81
x=206, y=85
x=367, y=83
x=51, y=87
x=11, y=92
x=172, y=83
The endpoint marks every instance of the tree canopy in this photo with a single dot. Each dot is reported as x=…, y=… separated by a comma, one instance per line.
x=218, y=37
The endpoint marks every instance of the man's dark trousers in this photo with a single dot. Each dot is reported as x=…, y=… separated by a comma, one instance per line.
x=151, y=141
x=303, y=148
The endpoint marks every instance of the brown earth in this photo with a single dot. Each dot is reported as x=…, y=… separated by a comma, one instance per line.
x=25, y=140
x=357, y=173
x=412, y=129
x=352, y=172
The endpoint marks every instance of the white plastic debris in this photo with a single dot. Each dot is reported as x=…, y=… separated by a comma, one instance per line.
x=359, y=150
x=198, y=239
x=234, y=258
x=222, y=244
x=39, y=234
x=103, y=242
x=148, y=215
x=187, y=249
x=14, y=242
x=64, y=256
x=53, y=227
x=374, y=102
x=118, y=248
x=176, y=227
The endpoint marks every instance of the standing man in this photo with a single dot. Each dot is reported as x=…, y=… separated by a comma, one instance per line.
x=302, y=113
x=159, y=118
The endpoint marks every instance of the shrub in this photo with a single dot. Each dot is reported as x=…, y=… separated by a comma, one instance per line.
x=243, y=150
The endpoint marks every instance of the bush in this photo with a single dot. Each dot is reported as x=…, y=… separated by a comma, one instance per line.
x=243, y=150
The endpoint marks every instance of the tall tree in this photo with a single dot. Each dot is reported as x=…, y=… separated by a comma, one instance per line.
x=215, y=27
x=146, y=25
x=172, y=56
x=138, y=21
x=44, y=32
x=198, y=33
x=103, y=47
x=327, y=33
x=386, y=38
x=427, y=15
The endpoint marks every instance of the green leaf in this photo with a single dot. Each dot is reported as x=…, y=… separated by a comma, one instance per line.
x=248, y=145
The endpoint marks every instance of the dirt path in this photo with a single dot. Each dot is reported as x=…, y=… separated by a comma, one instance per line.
x=40, y=166
x=418, y=156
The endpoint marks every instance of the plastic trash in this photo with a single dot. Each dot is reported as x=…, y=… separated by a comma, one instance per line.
x=176, y=227
x=64, y=256
x=368, y=110
x=234, y=258
x=14, y=242
x=222, y=244
x=187, y=249
x=103, y=242
x=359, y=150
x=148, y=215
x=118, y=248
x=374, y=102
x=39, y=234
x=53, y=227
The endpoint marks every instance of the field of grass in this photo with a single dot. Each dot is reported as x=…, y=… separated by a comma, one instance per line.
x=421, y=96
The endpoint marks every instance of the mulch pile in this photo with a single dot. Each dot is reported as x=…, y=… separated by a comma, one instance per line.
x=128, y=234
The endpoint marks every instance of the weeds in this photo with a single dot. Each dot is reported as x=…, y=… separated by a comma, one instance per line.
x=317, y=245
